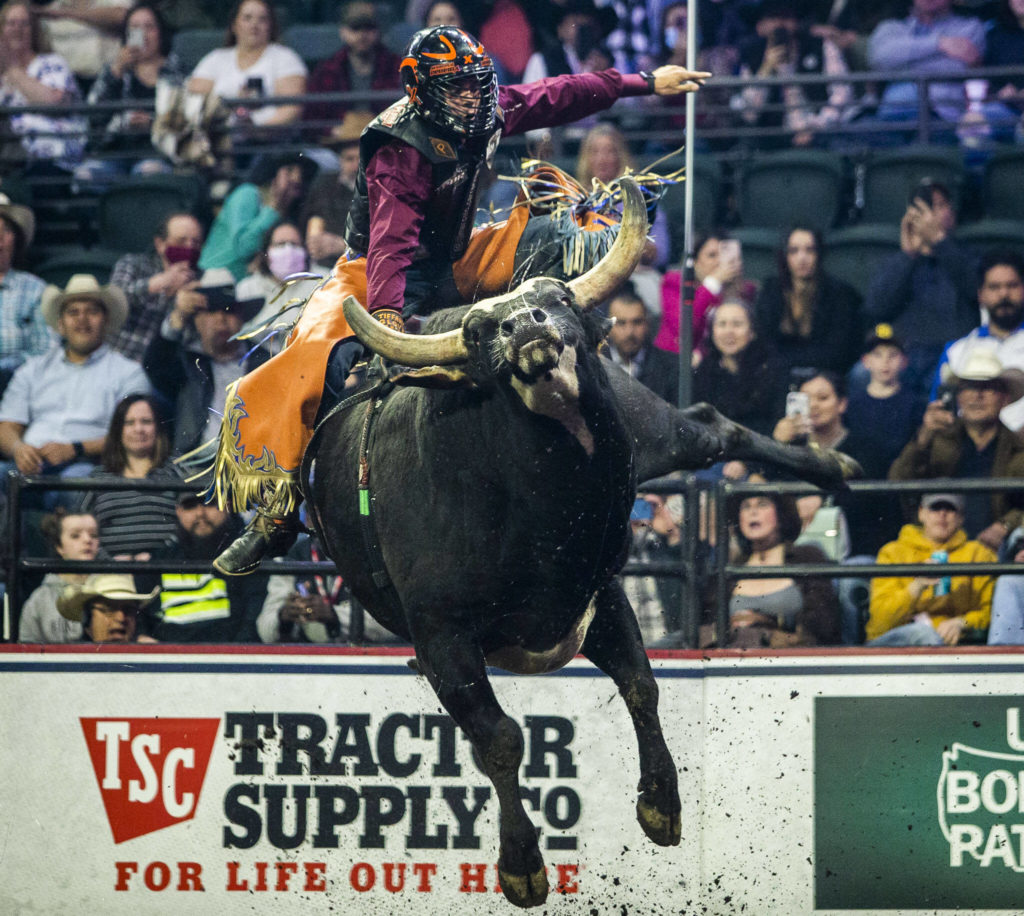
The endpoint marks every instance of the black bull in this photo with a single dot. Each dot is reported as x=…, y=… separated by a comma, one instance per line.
x=501, y=508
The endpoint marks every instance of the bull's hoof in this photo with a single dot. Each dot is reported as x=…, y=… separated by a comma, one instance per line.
x=525, y=890
x=663, y=829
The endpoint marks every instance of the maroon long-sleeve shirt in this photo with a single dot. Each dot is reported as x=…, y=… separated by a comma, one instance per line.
x=398, y=178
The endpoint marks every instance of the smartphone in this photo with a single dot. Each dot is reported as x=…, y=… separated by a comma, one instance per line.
x=798, y=404
x=729, y=250
x=948, y=398
x=136, y=38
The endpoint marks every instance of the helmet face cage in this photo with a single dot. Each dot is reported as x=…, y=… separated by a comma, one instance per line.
x=449, y=77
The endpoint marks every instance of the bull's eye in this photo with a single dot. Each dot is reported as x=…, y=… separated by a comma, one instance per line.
x=474, y=335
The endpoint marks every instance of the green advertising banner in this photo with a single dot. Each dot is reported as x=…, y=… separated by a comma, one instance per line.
x=919, y=803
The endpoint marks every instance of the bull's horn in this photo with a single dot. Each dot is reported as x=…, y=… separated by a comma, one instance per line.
x=598, y=283
x=416, y=350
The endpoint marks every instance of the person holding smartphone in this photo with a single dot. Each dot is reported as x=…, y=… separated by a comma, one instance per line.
x=252, y=53
x=928, y=289
x=143, y=58
x=782, y=47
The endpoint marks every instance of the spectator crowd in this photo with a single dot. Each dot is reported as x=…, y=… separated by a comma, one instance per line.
x=917, y=373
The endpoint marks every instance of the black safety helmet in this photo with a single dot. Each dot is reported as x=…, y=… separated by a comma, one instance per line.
x=442, y=62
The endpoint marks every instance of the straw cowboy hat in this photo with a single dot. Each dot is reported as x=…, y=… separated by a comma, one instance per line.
x=981, y=364
x=21, y=217
x=113, y=586
x=85, y=286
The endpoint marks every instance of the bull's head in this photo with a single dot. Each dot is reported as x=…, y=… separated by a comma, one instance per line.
x=527, y=333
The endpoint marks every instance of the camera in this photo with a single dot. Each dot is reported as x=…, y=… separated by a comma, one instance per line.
x=254, y=86
x=947, y=396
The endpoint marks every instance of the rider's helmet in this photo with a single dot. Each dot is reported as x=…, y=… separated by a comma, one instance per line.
x=450, y=79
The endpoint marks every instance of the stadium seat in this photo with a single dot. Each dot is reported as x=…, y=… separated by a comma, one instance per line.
x=60, y=266
x=129, y=214
x=852, y=254
x=191, y=45
x=760, y=246
x=792, y=187
x=890, y=177
x=992, y=233
x=707, y=183
x=1003, y=184
x=313, y=43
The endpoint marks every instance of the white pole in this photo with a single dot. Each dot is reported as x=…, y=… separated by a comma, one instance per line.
x=686, y=287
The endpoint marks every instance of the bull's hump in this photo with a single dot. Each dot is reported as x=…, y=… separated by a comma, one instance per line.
x=557, y=395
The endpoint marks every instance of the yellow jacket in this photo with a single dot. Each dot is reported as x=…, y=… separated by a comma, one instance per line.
x=969, y=597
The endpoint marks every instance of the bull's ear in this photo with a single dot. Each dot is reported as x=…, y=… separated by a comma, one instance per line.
x=433, y=377
x=596, y=328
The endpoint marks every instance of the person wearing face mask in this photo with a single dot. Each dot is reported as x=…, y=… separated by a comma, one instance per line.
x=1001, y=297
x=151, y=280
x=282, y=254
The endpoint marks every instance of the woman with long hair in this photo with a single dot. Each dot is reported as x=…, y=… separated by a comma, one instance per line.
x=780, y=612
x=811, y=317
x=71, y=536
x=741, y=375
x=604, y=156
x=135, y=523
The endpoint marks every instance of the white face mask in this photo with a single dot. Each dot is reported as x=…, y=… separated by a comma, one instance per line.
x=286, y=259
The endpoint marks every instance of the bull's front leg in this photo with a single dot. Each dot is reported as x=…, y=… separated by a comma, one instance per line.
x=614, y=644
x=454, y=665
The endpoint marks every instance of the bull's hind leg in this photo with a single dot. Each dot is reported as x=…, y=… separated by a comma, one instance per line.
x=454, y=665
x=613, y=643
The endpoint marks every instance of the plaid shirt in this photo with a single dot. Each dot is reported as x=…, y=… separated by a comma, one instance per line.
x=131, y=274
x=23, y=332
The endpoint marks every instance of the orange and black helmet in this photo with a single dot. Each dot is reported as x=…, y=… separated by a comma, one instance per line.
x=450, y=79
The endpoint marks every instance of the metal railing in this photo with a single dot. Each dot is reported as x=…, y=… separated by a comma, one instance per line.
x=705, y=504
x=654, y=120
x=726, y=572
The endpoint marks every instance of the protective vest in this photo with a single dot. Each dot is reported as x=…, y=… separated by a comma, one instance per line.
x=187, y=598
x=457, y=167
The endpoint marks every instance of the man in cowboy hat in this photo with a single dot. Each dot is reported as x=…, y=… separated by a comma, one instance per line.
x=194, y=357
x=108, y=607
x=972, y=443
x=23, y=333
x=55, y=412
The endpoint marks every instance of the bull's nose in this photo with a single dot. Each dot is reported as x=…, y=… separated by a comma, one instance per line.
x=521, y=318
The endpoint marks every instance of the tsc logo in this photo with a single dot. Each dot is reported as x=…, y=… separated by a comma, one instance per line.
x=150, y=771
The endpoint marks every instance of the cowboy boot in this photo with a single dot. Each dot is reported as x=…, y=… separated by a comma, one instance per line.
x=265, y=536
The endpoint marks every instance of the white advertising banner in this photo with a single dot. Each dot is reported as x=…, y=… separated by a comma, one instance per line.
x=278, y=781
